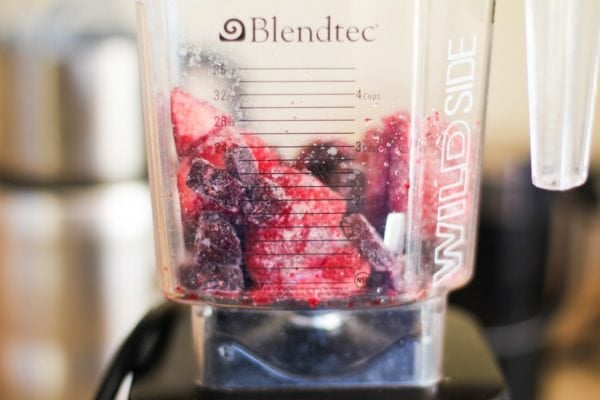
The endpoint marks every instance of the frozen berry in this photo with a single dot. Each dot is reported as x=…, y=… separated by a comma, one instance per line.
x=262, y=202
x=266, y=155
x=216, y=241
x=302, y=252
x=322, y=158
x=373, y=156
x=190, y=201
x=215, y=184
x=370, y=246
x=210, y=277
x=193, y=120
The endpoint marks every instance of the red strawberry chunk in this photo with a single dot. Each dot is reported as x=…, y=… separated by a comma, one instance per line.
x=266, y=156
x=292, y=254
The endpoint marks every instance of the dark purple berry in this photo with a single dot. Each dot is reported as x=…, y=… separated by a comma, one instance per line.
x=216, y=241
x=210, y=277
x=215, y=184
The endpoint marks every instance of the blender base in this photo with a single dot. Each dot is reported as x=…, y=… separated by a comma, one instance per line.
x=377, y=347
x=469, y=371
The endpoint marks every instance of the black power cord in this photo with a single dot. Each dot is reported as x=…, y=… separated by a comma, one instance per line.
x=142, y=346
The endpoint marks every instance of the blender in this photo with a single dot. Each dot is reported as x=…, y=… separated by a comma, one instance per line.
x=315, y=168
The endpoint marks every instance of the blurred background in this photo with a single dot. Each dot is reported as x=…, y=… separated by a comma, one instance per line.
x=76, y=255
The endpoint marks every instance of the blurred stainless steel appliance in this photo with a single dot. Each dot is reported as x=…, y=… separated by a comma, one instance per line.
x=70, y=111
x=76, y=249
x=76, y=271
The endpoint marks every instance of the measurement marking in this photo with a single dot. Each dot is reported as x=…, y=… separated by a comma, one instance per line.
x=302, y=186
x=340, y=172
x=296, y=68
x=300, y=213
x=302, y=226
x=295, y=159
x=298, y=94
x=300, y=120
x=300, y=268
x=304, y=240
x=277, y=147
x=301, y=81
x=298, y=254
x=268, y=200
x=292, y=107
x=306, y=283
x=298, y=133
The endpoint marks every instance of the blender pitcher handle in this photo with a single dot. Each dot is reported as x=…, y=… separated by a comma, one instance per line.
x=562, y=64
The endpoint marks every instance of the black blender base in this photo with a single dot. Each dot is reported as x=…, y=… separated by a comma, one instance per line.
x=470, y=372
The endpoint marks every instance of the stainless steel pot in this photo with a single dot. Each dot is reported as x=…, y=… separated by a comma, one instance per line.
x=70, y=108
x=76, y=273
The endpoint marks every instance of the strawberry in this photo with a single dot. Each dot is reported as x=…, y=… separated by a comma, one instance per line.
x=266, y=156
x=291, y=255
x=201, y=131
x=193, y=120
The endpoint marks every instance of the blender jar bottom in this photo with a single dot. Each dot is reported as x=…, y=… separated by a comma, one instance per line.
x=257, y=348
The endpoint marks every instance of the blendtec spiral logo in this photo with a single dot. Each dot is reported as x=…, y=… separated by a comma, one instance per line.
x=272, y=30
x=233, y=31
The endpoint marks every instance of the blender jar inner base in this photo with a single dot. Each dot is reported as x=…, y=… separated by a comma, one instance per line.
x=257, y=348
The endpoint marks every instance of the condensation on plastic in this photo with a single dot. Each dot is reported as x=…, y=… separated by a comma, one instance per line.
x=563, y=39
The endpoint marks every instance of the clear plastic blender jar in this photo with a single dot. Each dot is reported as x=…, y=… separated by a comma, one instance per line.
x=315, y=170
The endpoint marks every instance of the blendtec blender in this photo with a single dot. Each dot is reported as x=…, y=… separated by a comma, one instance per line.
x=315, y=170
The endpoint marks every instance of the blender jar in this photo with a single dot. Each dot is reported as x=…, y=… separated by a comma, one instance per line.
x=315, y=170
